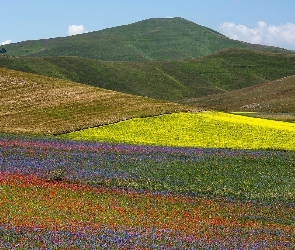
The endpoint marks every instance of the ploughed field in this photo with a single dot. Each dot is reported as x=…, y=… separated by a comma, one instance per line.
x=204, y=180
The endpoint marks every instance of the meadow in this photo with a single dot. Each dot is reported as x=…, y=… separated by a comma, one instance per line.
x=272, y=100
x=151, y=177
x=88, y=160
x=178, y=80
x=58, y=194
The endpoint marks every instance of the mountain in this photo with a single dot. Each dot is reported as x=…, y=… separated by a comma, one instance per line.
x=173, y=80
x=275, y=96
x=36, y=104
x=151, y=39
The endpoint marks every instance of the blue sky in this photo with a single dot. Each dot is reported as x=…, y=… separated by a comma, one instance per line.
x=270, y=22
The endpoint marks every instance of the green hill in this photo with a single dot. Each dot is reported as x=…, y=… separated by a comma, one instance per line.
x=174, y=80
x=151, y=39
x=36, y=104
x=276, y=96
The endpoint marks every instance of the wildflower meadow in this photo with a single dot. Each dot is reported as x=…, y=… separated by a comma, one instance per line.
x=63, y=194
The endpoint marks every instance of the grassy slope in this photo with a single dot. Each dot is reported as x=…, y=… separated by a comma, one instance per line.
x=36, y=104
x=205, y=129
x=151, y=39
x=276, y=96
x=169, y=80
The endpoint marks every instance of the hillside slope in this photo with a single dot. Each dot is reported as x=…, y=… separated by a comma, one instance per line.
x=151, y=39
x=276, y=96
x=42, y=105
x=174, y=80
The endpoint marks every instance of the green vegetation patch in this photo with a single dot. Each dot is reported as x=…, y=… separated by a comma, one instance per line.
x=265, y=99
x=151, y=39
x=204, y=129
x=180, y=80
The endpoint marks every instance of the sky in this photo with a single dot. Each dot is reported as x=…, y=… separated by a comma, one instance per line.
x=268, y=22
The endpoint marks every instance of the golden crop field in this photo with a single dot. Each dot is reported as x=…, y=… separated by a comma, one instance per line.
x=204, y=129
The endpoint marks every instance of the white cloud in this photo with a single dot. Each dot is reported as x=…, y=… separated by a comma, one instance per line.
x=6, y=42
x=274, y=35
x=169, y=17
x=76, y=29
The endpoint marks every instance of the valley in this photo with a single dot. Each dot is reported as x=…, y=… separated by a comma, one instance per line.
x=158, y=134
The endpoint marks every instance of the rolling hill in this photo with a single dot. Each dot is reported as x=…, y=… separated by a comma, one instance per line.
x=36, y=104
x=173, y=80
x=275, y=96
x=151, y=39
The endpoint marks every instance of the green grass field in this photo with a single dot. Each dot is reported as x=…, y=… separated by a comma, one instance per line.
x=174, y=80
x=268, y=98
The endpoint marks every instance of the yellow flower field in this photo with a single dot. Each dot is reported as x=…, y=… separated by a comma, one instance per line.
x=204, y=129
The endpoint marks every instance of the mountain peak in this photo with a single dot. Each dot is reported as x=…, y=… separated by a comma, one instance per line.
x=150, y=39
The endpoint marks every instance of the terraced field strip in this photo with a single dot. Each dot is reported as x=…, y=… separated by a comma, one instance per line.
x=42, y=105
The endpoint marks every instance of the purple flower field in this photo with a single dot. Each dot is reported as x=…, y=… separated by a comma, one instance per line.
x=58, y=194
